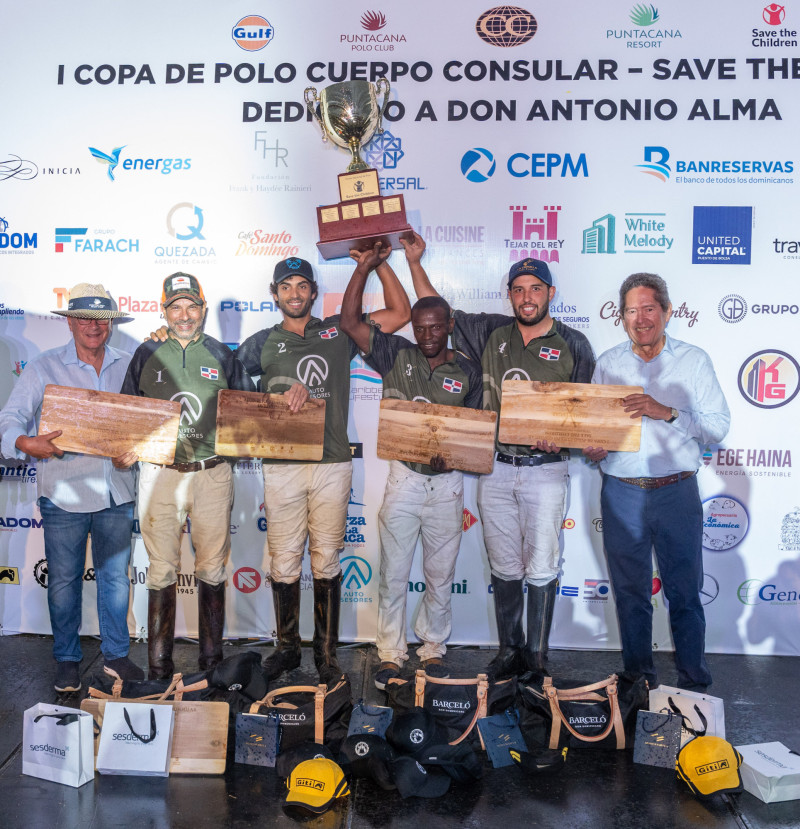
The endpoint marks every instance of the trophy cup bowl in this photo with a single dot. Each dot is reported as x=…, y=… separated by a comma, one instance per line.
x=349, y=115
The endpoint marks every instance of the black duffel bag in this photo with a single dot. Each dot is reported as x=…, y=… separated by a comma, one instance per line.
x=595, y=715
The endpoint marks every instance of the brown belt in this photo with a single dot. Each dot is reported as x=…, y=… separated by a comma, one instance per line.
x=657, y=483
x=196, y=466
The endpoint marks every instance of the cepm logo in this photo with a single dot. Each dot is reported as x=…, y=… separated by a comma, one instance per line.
x=478, y=165
x=252, y=33
x=769, y=379
x=655, y=162
x=506, y=26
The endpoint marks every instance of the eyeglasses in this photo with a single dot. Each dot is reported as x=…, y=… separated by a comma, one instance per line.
x=84, y=322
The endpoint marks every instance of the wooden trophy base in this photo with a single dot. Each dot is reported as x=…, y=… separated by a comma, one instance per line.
x=357, y=223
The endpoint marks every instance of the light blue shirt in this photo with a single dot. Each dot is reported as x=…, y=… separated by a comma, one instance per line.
x=682, y=377
x=75, y=482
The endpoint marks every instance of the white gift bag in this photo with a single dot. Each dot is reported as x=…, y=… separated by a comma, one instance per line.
x=58, y=744
x=770, y=771
x=703, y=715
x=136, y=738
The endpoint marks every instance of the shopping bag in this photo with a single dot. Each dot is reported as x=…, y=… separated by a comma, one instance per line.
x=499, y=734
x=257, y=739
x=58, y=744
x=136, y=738
x=702, y=714
x=658, y=739
x=771, y=771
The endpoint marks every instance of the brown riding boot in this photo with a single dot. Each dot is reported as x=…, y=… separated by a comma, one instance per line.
x=211, y=621
x=161, y=632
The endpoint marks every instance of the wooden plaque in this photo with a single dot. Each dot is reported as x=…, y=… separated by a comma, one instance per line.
x=199, y=737
x=108, y=424
x=251, y=424
x=571, y=415
x=413, y=431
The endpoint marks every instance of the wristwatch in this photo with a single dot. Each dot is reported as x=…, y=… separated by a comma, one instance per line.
x=674, y=417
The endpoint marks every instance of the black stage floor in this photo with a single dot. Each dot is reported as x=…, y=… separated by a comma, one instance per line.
x=595, y=789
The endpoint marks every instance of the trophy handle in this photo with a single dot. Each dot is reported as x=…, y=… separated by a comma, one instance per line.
x=382, y=82
x=310, y=97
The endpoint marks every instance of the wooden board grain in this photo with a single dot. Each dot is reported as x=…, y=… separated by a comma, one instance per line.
x=413, y=431
x=571, y=415
x=199, y=737
x=251, y=424
x=103, y=423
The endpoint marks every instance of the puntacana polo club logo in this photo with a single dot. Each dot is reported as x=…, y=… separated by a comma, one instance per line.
x=725, y=523
x=769, y=379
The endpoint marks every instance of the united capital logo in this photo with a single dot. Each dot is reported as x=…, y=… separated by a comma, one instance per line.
x=721, y=235
x=356, y=573
x=655, y=163
x=769, y=379
x=252, y=33
x=506, y=26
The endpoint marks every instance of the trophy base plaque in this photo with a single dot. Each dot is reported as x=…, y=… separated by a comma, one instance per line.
x=361, y=218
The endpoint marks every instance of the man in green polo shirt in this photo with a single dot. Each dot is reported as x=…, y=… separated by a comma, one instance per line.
x=309, y=500
x=420, y=499
x=191, y=367
x=522, y=501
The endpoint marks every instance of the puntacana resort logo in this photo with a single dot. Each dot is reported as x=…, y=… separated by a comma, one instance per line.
x=647, y=31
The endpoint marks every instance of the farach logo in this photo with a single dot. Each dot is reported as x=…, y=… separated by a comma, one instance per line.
x=9, y=575
x=506, y=26
x=769, y=379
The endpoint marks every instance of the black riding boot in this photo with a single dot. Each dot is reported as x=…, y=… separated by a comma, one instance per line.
x=161, y=632
x=541, y=601
x=327, y=601
x=211, y=621
x=286, y=598
x=509, y=601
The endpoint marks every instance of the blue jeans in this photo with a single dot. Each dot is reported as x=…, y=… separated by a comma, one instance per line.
x=668, y=520
x=65, y=536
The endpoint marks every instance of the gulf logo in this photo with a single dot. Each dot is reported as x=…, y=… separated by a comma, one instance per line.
x=252, y=33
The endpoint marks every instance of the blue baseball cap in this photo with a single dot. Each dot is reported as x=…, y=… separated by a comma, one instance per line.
x=533, y=267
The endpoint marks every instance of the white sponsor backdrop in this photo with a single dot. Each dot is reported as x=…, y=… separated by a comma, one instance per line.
x=605, y=144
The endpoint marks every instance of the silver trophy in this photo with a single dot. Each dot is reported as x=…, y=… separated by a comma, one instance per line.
x=349, y=115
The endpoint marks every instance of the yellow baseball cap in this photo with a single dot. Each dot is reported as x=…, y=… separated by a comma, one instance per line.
x=709, y=766
x=314, y=785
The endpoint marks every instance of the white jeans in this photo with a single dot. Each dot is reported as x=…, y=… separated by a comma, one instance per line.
x=306, y=500
x=414, y=504
x=522, y=509
x=165, y=498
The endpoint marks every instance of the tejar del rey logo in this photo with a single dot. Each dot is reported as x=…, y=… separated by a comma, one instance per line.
x=722, y=235
x=534, y=236
x=725, y=523
x=506, y=26
x=769, y=379
x=252, y=33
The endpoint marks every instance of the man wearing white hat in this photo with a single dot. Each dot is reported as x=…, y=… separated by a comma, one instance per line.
x=79, y=494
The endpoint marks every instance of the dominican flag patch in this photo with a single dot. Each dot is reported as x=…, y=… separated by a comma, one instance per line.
x=209, y=373
x=549, y=353
x=453, y=386
x=329, y=333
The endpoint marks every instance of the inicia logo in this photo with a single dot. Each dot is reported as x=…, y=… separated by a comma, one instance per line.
x=356, y=573
x=769, y=379
x=655, y=162
x=725, y=523
x=252, y=33
x=478, y=165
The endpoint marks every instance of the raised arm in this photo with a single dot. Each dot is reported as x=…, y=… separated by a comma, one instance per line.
x=397, y=310
x=352, y=321
x=414, y=250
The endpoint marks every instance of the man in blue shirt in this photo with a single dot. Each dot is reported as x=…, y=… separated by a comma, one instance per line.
x=78, y=494
x=650, y=500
